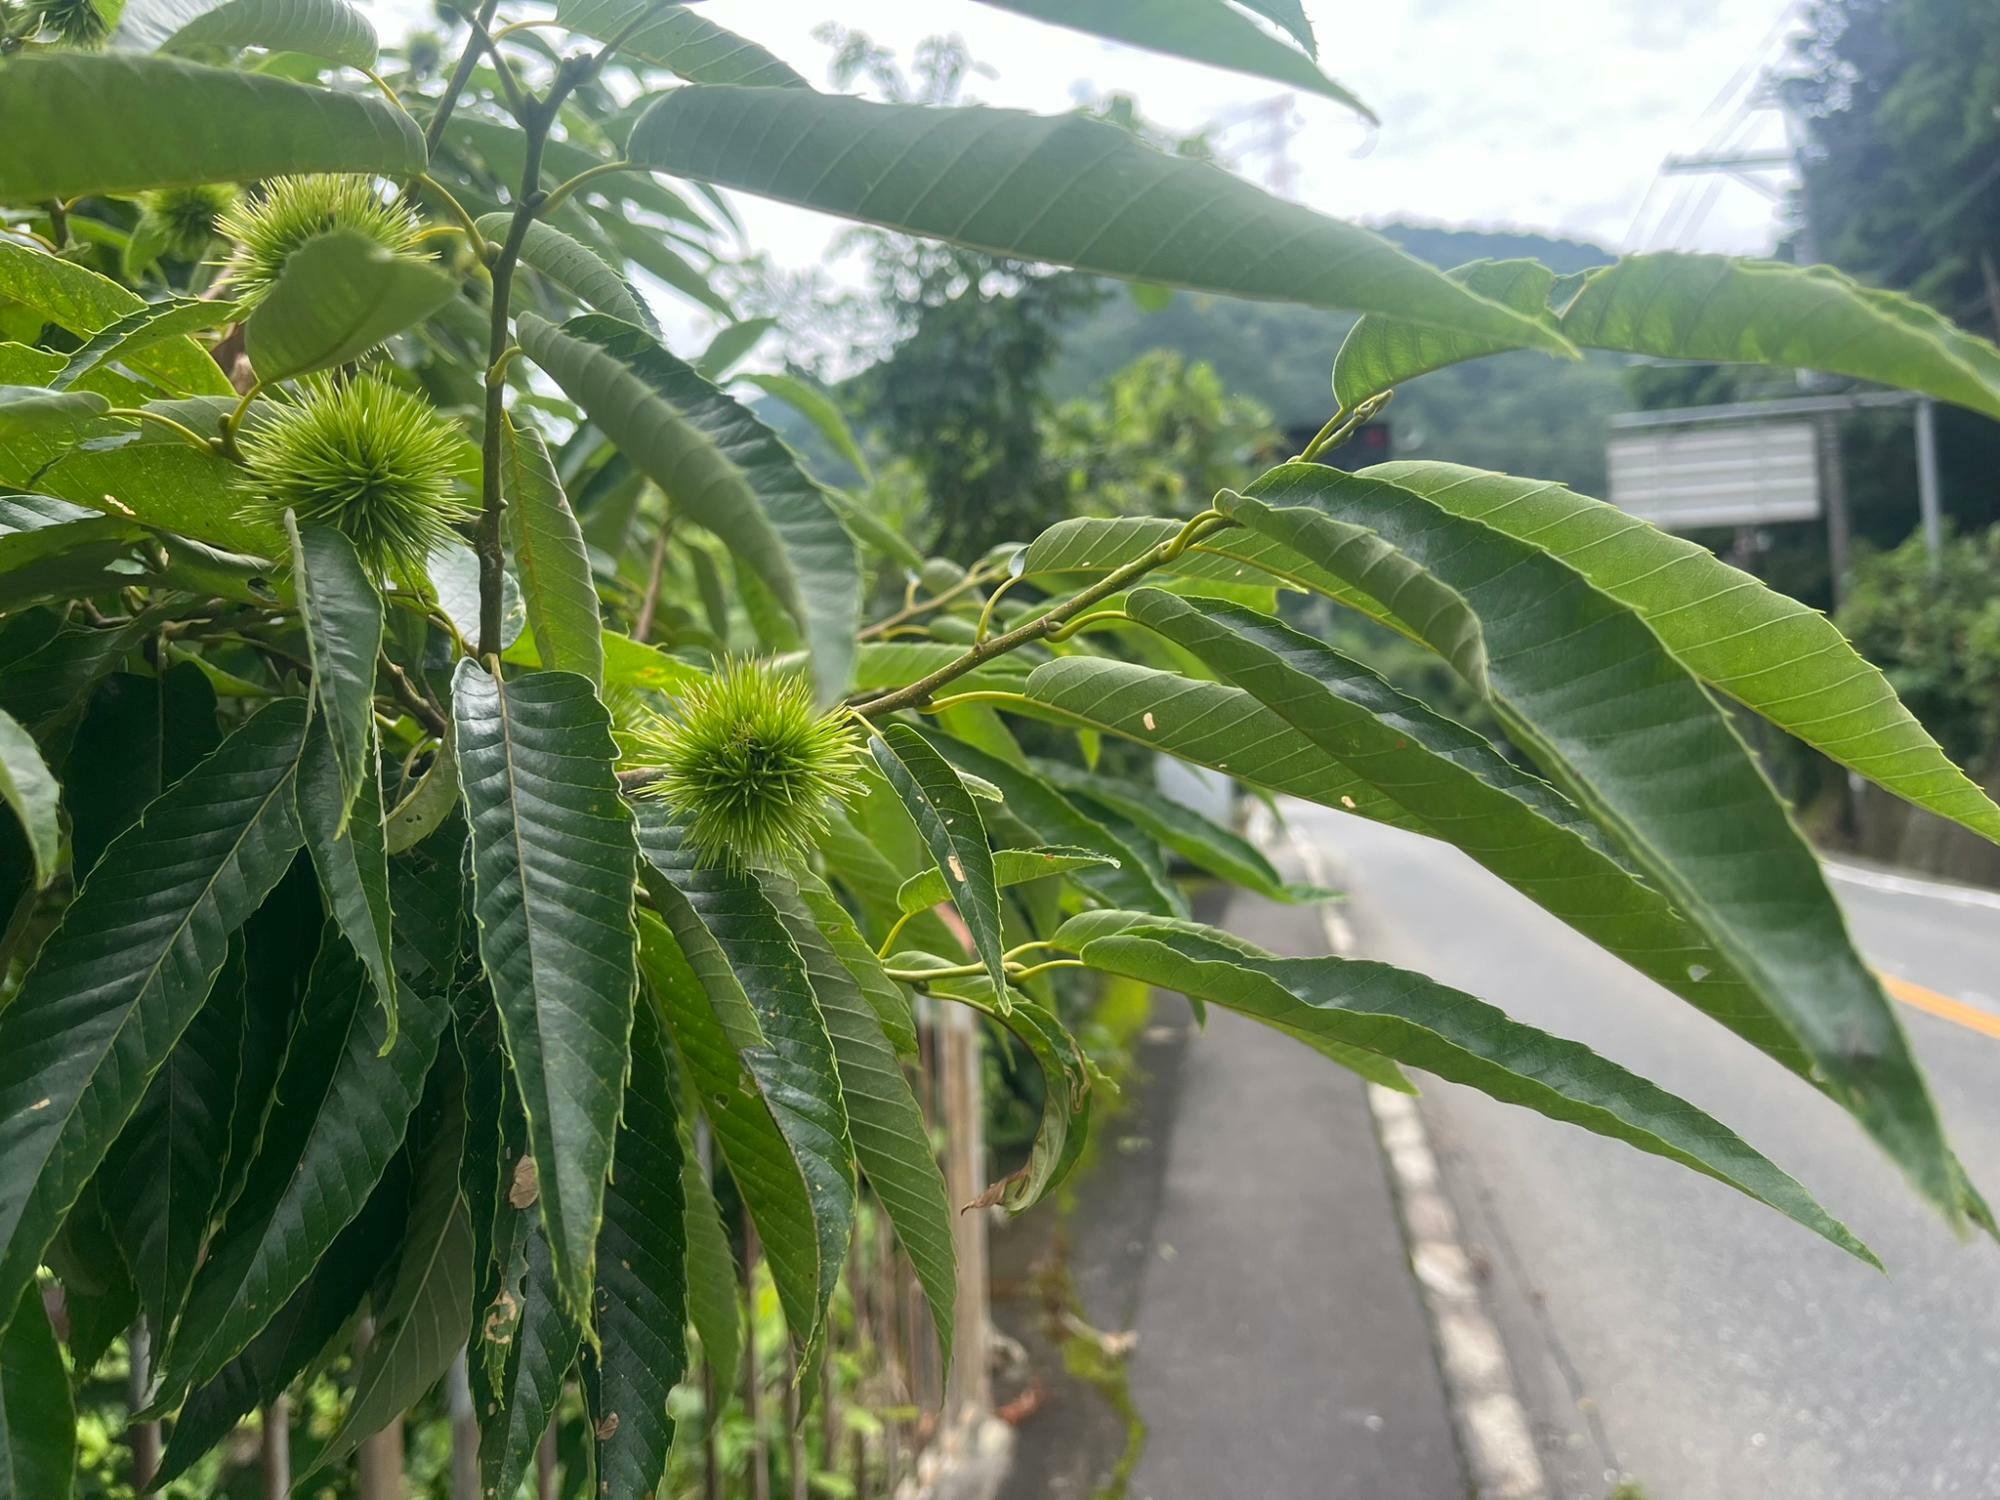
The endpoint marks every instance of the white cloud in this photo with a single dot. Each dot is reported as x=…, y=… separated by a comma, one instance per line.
x=1529, y=113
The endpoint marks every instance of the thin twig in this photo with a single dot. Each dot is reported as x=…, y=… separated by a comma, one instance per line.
x=1043, y=624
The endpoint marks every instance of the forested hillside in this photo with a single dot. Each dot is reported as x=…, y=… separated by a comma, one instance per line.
x=1522, y=413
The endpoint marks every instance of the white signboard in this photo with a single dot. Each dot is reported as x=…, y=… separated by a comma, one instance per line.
x=1716, y=474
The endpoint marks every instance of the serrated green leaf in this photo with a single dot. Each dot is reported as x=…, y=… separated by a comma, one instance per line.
x=120, y=979
x=342, y=1107
x=281, y=942
x=713, y=1306
x=1423, y=1024
x=99, y=1299
x=422, y=1322
x=342, y=614
x=135, y=121
x=325, y=29
x=154, y=323
x=171, y=485
x=573, y=265
x=1204, y=31
x=33, y=527
x=1064, y=1127
x=77, y=298
x=1010, y=867
x=954, y=833
x=338, y=296
x=540, y=1344
x=1449, y=783
x=731, y=346
x=683, y=42
x=1199, y=840
x=1094, y=545
x=1380, y=353
x=642, y=1302
x=721, y=468
x=891, y=1141
x=552, y=862
x=347, y=846
x=1067, y=190
x=28, y=787
x=820, y=409
x=1054, y=819
x=162, y=1182
x=556, y=585
x=301, y=1331
x=1584, y=686
x=1715, y=308
x=1772, y=654
x=33, y=409
x=1291, y=16
x=757, y=1047
x=37, y=1419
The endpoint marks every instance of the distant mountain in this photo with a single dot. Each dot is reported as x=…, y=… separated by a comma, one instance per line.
x=1524, y=413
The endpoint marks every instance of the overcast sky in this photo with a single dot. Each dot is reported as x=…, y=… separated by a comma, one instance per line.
x=1528, y=113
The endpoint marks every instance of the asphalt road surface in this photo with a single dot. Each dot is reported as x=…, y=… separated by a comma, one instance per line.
x=1664, y=1329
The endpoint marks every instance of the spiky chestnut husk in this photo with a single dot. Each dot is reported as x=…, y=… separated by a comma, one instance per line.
x=185, y=220
x=751, y=765
x=76, y=23
x=369, y=459
x=291, y=210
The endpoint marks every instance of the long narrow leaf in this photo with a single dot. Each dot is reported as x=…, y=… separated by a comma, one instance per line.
x=556, y=585
x=133, y=121
x=720, y=466
x=642, y=1279
x=342, y=1107
x=891, y=1141
x=1427, y=1025
x=1454, y=786
x=119, y=981
x=1067, y=190
x=1586, y=688
x=552, y=861
x=343, y=620
x=1770, y=653
x=953, y=832
x=757, y=1003
x=1205, y=31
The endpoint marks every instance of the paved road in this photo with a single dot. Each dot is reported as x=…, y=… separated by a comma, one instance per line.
x=1663, y=1327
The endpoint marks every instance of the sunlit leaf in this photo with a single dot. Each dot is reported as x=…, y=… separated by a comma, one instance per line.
x=328, y=29
x=1205, y=31
x=1584, y=686
x=740, y=1007
x=556, y=585
x=1421, y=1023
x=1769, y=652
x=338, y=296
x=1063, y=189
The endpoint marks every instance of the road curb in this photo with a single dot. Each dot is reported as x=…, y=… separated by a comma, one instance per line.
x=1494, y=1435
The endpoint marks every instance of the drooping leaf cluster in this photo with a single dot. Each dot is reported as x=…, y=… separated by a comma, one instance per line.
x=354, y=967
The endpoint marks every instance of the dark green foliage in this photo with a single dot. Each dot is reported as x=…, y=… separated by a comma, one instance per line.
x=439, y=931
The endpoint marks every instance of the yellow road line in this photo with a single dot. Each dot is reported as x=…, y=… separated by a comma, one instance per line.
x=1971, y=1017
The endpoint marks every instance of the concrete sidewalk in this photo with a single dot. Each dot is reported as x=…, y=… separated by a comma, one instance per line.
x=1240, y=1223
